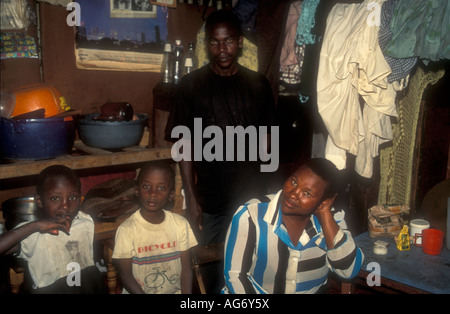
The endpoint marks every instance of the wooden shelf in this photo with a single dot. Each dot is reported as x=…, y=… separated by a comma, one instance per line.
x=85, y=157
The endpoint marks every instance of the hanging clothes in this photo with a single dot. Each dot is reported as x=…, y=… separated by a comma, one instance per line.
x=351, y=66
x=270, y=25
x=306, y=23
x=420, y=28
x=291, y=58
x=400, y=67
x=308, y=86
x=246, y=11
x=312, y=52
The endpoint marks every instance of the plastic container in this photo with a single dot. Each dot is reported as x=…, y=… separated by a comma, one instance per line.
x=7, y=104
x=111, y=134
x=166, y=67
x=190, y=60
x=34, y=139
x=177, y=61
x=417, y=226
x=39, y=96
x=447, y=239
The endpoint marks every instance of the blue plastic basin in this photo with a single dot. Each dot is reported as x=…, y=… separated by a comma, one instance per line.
x=111, y=135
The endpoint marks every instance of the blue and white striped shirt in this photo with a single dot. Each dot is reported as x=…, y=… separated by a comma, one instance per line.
x=260, y=257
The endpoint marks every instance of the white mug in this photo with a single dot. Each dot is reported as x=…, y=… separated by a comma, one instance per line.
x=416, y=226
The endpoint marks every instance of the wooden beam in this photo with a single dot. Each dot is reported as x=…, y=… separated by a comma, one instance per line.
x=99, y=159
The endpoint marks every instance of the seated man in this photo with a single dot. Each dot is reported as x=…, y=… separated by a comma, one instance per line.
x=289, y=244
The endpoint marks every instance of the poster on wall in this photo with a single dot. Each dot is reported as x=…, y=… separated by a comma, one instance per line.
x=120, y=35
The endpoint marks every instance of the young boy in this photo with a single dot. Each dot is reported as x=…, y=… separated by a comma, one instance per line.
x=152, y=248
x=59, y=246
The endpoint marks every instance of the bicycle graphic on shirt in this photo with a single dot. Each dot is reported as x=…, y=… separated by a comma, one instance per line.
x=158, y=278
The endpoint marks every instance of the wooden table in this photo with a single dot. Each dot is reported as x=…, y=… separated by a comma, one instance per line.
x=411, y=271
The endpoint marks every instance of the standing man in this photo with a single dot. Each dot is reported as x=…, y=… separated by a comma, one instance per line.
x=290, y=243
x=222, y=93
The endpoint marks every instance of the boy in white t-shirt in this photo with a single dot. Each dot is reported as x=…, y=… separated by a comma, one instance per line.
x=58, y=247
x=152, y=247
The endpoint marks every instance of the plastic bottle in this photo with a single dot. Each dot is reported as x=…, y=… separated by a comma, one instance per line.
x=177, y=61
x=447, y=240
x=166, y=68
x=190, y=60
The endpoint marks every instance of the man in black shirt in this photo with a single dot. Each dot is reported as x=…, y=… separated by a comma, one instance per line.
x=222, y=94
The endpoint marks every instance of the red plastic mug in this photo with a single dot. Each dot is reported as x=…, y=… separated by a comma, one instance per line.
x=432, y=241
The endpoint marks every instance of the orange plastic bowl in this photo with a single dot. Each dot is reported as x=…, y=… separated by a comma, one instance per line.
x=39, y=96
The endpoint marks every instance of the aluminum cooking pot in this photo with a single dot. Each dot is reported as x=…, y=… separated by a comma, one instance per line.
x=19, y=209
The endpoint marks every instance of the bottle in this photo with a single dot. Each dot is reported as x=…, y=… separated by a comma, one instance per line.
x=190, y=60
x=448, y=224
x=177, y=61
x=166, y=68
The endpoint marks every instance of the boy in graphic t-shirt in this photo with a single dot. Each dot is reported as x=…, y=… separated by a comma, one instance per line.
x=152, y=247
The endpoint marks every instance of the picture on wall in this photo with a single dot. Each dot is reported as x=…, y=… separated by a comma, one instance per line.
x=167, y=3
x=132, y=9
x=120, y=35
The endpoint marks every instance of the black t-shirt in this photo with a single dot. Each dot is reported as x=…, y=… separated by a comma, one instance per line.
x=244, y=99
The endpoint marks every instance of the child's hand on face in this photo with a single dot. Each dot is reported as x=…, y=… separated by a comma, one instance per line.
x=53, y=225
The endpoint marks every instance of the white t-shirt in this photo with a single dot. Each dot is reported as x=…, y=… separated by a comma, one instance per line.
x=49, y=255
x=155, y=250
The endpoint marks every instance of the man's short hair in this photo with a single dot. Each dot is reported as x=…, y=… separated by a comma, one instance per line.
x=223, y=16
x=326, y=170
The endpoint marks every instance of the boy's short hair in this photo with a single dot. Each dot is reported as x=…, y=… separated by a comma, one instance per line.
x=223, y=16
x=56, y=171
x=160, y=165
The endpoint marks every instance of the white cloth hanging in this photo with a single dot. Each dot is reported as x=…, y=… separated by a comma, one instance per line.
x=351, y=66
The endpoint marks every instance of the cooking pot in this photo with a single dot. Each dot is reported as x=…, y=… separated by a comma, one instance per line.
x=19, y=209
x=33, y=139
x=111, y=134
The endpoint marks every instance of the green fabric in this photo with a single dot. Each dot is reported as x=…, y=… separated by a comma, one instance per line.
x=420, y=28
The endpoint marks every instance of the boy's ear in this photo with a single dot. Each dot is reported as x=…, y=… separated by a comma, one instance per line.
x=241, y=41
x=171, y=195
x=38, y=201
x=136, y=191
